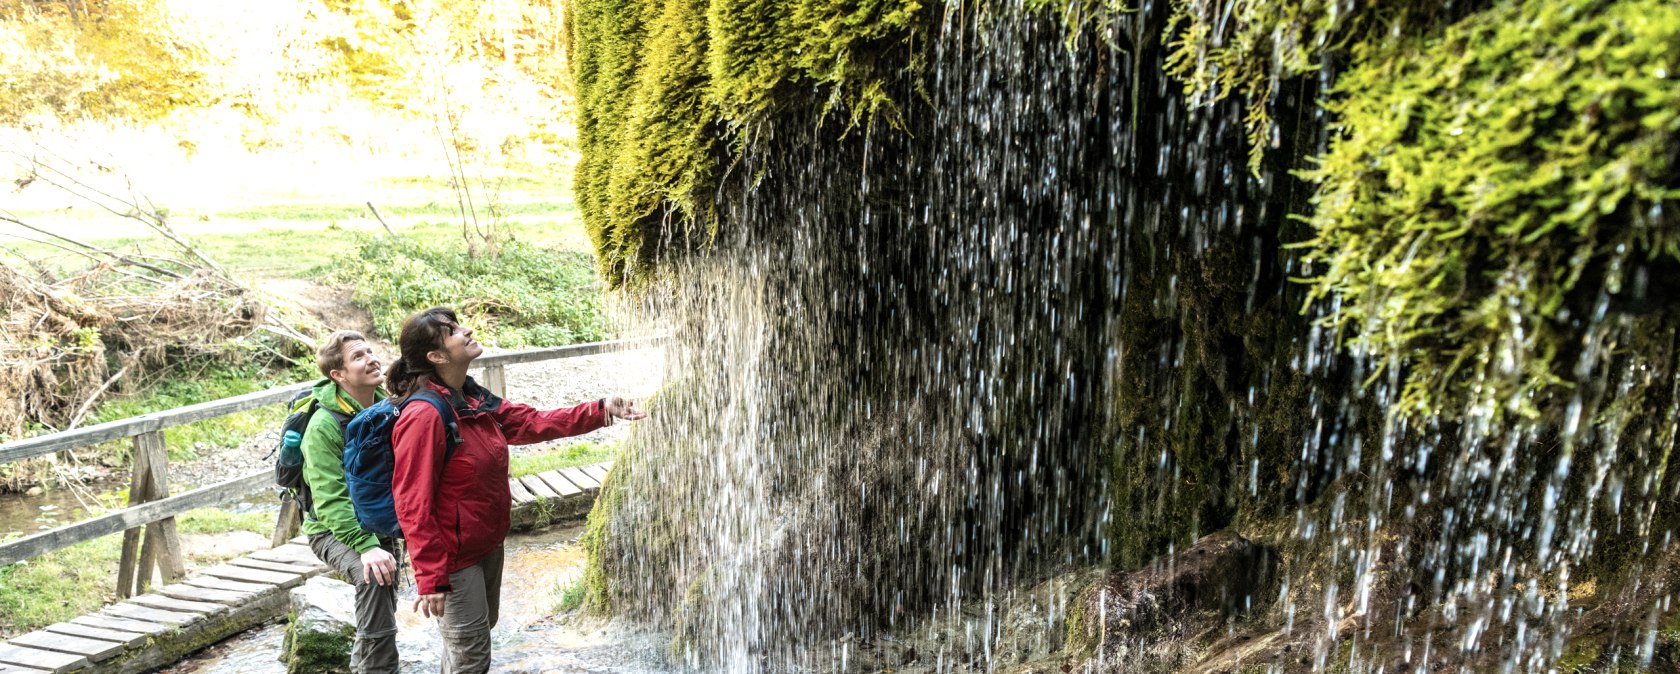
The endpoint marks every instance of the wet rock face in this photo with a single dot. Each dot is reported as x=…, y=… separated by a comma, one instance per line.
x=1052, y=318
x=321, y=627
x=1145, y=620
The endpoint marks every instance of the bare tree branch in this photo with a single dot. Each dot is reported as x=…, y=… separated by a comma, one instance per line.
x=81, y=189
x=159, y=223
x=76, y=419
x=381, y=220
x=88, y=246
x=136, y=207
x=55, y=169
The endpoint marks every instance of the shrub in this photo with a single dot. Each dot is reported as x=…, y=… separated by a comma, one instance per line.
x=522, y=296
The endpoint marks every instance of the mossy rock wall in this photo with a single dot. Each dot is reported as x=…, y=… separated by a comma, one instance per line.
x=962, y=293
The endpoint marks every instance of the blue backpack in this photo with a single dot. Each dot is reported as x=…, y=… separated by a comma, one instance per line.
x=369, y=460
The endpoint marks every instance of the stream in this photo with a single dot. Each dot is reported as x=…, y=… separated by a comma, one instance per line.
x=528, y=638
x=25, y=514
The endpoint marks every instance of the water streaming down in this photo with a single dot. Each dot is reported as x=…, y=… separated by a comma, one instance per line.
x=1042, y=320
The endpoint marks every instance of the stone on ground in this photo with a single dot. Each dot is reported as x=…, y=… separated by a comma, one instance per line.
x=321, y=627
x=1148, y=618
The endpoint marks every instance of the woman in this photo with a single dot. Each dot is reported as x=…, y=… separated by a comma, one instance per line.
x=453, y=503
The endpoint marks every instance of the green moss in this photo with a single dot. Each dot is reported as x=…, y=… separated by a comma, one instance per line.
x=317, y=652
x=597, y=579
x=693, y=623
x=617, y=124
x=763, y=50
x=1079, y=644
x=1581, y=653
x=1212, y=437
x=1100, y=19
x=1245, y=48
x=664, y=87
x=1486, y=187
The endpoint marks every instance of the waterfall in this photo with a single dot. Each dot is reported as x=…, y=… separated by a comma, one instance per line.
x=1003, y=298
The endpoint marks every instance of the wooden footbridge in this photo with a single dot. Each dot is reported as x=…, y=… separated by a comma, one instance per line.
x=153, y=627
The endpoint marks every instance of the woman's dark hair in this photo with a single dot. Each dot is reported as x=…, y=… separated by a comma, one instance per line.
x=422, y=333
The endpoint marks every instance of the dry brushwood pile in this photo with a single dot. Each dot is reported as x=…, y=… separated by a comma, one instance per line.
x=66, y=342
x=120, y=318
x=46, y=360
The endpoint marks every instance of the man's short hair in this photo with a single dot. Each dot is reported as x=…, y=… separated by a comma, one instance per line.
x=331, y=354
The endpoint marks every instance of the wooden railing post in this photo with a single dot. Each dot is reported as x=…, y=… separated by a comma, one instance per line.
x=161, y=544
x=495, y=379
x=286, y=526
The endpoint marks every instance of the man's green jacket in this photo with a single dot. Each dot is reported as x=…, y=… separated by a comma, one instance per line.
x=323, y=469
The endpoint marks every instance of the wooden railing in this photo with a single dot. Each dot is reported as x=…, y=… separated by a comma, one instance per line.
x=148, y=523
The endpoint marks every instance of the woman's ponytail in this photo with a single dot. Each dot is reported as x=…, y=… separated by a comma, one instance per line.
x=401, y=381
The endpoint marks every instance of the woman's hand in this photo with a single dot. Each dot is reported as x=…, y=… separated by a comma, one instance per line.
x=378, y=566
x=430, y=605
x=621, y=408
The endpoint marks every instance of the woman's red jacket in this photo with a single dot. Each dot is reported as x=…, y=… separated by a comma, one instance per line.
x=454, y=515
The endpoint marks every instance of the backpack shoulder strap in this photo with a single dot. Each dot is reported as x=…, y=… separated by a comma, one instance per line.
x=452, y=430
x=343, y=422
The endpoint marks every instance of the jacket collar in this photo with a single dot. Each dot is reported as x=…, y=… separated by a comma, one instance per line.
x=330, y=396
x=470, y=400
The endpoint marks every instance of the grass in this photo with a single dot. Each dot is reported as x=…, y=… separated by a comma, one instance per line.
x=523, y=296
x=218, y=521
x=528, y=179
x=59, y=585
x=580, y=453
x=76, y=580
x=347, y=212
x=299, y=251
x=568, y=595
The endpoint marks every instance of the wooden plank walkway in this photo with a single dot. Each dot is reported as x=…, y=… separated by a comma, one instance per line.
x=554, y=495
x=168, y=623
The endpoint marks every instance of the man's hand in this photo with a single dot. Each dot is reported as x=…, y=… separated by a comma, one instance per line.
x=623, y=409
x=430, y=605
x=378, y=566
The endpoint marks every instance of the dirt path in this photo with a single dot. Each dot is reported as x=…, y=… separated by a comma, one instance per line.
x=331, y=306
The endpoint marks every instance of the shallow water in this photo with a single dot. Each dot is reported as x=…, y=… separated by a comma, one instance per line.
x=528, y=637
x=25, y=514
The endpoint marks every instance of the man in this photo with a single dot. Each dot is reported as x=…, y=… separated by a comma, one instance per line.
x=352, y=383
